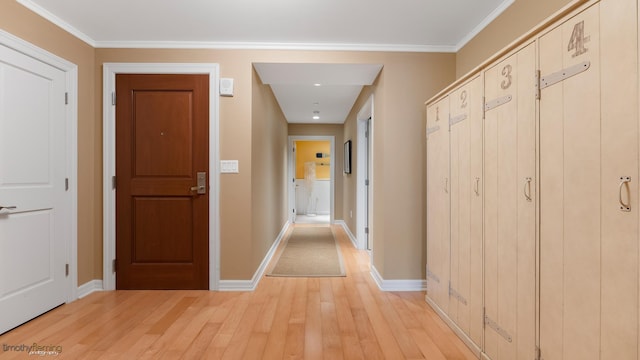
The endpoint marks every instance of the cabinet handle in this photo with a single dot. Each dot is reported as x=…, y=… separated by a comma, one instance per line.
x=476, y=187
x=624, y=180
x=446, y=185
x=527, y=188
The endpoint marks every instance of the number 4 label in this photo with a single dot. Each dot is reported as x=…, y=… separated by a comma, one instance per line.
x=578, y=39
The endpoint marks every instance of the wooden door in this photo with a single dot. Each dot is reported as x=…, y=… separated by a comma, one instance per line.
x=162, y=217
x=35, y=208
x=588, y=186
x=465, y=293
x=438, y=204
x=509, y=207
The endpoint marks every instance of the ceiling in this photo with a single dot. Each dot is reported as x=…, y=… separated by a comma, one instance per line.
x=324, y=91
x=361, y=25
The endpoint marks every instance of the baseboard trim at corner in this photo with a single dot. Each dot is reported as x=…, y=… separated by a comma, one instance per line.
x=251, y=285
x=353, y=239
x=397, y=285
x=89, y=288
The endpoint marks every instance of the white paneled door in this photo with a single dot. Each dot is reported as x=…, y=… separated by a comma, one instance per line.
x=35, y=215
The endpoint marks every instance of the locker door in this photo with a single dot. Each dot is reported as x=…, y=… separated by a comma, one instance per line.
x=438, y=185
x=588, y=185
x=465, y=293
x=509, y=225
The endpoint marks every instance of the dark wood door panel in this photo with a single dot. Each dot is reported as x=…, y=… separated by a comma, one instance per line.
x=162, y=137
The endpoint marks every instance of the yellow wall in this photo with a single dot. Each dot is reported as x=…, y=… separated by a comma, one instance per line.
x=336, y=131
x=306, y=152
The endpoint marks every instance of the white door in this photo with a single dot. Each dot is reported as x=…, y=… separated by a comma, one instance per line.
x=33, y=169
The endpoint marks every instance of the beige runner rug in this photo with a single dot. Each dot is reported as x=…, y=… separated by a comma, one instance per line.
x=310, y=251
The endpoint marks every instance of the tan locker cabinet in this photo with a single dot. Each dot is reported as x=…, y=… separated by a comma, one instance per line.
x=588, y=185
x=509, y=206
x=465, y=292
x=438, y=186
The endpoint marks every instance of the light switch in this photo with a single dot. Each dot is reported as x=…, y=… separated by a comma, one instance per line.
x=229, y=166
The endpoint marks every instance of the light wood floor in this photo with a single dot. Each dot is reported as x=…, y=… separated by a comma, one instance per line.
x=285, y=318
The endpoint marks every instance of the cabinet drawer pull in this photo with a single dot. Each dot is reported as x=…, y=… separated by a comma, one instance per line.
x=624, y=180
x=527, y=188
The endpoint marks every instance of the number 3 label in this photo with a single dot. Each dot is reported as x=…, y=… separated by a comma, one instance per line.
x=506, y=72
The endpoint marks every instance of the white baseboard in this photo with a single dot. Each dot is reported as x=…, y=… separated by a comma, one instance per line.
x=89, y=287
x=250, y=285
x=397, y=285
x=353, y=239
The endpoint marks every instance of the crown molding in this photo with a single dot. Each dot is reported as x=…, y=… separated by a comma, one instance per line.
x=57, y=21
x=483, y=24
x=221, y=45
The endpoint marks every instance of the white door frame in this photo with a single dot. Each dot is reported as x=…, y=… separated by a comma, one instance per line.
x=109, y=81
x=364, y=212
x=292, y=173
x=71, y=71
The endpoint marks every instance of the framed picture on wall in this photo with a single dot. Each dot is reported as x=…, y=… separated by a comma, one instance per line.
x=347, y=157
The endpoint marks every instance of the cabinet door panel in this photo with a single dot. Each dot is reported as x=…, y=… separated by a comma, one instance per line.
x=588, y=141
x=465, y=302
x=438, y=185
x=509, y=254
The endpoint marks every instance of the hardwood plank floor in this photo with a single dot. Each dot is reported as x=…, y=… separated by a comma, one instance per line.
x=285, y=318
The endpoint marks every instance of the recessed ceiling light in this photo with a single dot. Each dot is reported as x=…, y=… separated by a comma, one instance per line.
x=316, y=117
x=316, y=84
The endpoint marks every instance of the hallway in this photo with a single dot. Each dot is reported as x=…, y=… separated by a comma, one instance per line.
x=311, y=318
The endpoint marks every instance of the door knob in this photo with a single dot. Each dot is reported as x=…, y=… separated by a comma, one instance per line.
x=201, y=187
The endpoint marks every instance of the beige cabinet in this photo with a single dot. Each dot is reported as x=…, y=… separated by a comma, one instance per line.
x=465, y=288
x=532, y=211
x=509, y=206
x=438, y=187
x=588, y=185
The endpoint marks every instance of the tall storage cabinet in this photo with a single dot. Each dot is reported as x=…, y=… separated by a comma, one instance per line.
x=540, y=257
x=465, y=133
x=509, y=208
x=588, y=186
x=454, y=205
x=438, y=184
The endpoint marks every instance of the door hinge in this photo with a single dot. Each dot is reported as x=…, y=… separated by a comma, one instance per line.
x=561, y=75
x=366, y=182
x=538, y=354
x=66, y=269
x=114, y=265
x=113, y=182
x=537, y=84
x=484, y=111
x=66, y=184
x=66, y=98
x=113, y=98
x=366, y=230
